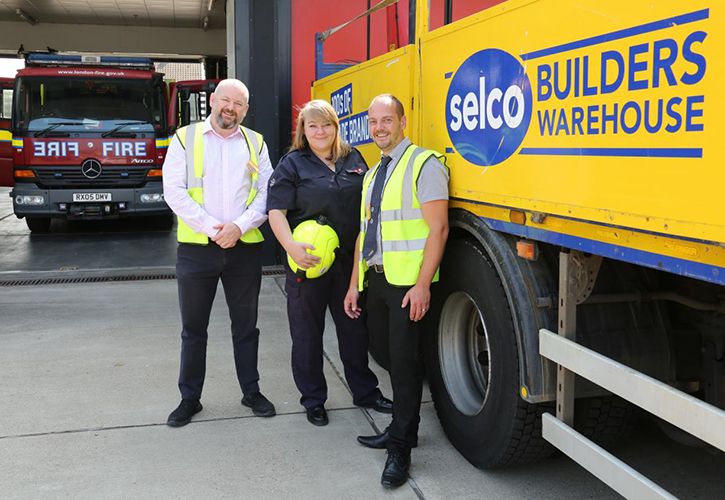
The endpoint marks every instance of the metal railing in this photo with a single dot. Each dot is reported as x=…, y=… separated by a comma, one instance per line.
x=702, y=420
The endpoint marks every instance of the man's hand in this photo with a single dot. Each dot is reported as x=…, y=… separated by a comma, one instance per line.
x=419, y=299
x=298, y=252
x=227, y=235
x=435, y=214
x=351, y=307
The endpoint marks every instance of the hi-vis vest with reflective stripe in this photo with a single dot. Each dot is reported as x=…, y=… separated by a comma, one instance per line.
x=192, y=140
x=402, y=228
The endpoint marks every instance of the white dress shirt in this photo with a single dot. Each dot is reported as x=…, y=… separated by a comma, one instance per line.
x=226, y=182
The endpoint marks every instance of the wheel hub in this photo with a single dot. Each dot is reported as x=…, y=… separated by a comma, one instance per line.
x=463, y=352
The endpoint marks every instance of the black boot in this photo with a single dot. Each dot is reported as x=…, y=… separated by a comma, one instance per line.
x=396, y=468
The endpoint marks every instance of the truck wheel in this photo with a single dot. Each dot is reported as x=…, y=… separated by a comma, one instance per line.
x=606, y=420
x=473, y=366
x=38, y=225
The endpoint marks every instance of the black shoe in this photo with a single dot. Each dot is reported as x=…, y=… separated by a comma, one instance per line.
x=380, y=441
x=183, y=413
x=396, y=468
x=317, y=416
x=380, y=405
x=261, y=406
x=377, y=441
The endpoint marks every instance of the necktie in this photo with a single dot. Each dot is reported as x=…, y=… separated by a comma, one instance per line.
x=370, y=244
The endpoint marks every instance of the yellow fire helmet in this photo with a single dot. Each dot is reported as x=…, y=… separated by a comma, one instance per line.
x=321, y=236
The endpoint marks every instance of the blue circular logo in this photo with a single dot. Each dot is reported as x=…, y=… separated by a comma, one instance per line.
x=488, y=108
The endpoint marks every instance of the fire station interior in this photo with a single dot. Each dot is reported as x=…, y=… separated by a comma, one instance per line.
x=218, y=33
x=257, y=42
x=212, y=36
x=183, y=29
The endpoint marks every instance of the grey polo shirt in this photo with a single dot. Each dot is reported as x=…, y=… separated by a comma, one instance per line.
x=432, y=184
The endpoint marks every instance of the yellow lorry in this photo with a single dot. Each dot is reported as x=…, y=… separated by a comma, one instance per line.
x=585, y=143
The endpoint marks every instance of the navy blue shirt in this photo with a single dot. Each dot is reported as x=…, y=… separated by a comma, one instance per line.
x=304, y=186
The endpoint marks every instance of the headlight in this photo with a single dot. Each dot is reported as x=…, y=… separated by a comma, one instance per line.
x=30, y=200
x=152, y=198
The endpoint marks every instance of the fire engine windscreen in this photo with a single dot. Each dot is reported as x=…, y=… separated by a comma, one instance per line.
x=51, y=106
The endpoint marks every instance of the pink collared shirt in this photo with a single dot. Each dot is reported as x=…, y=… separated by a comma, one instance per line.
x=226, y=183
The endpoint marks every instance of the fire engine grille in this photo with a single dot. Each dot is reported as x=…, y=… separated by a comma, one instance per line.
x=123, y=176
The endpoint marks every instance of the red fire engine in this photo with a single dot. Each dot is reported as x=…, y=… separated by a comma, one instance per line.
x=88, y=137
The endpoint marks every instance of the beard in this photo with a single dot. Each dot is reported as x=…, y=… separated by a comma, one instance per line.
x=226, y=122
x=382, y=142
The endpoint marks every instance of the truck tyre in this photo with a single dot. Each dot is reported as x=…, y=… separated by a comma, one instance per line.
x=635, y=334
x=473, y=366
x=606, y=420
x=38, y=225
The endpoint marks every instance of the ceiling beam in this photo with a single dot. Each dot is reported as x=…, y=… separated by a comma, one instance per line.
x=106, y=39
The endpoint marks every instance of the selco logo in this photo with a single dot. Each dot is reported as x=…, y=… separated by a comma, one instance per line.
x=488, y=108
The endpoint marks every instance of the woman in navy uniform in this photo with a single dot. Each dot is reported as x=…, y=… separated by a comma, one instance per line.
x=321, y=175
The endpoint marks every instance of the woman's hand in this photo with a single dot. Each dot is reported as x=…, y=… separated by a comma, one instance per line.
x=298, y=252
x=351, y=307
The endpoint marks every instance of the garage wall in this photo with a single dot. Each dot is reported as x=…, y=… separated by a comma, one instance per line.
x=91, y=38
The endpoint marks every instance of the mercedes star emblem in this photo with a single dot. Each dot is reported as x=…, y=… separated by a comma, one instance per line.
x=91, y=168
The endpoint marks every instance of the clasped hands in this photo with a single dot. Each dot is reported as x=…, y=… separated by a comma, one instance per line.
x=227, y=235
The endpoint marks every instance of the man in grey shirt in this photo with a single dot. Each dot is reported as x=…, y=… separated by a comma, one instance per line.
x=432, y=185
x=404, y=226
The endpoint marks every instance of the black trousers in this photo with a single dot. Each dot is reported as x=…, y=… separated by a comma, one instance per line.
x=307, y=302
x=198, y=270
x=388, y=319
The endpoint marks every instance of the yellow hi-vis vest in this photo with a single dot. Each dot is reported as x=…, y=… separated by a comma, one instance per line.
x=195, y=172
x=403, y=229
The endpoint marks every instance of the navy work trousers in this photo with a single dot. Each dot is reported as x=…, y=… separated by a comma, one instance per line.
x=307, y=302
x=198, y=270
x=387, y=319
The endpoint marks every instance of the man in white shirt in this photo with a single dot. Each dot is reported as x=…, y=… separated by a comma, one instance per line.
x=215, y=181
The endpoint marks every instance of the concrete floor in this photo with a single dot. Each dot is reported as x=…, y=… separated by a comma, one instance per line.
x=93, y=247
x=89, y=377
x=87, y=245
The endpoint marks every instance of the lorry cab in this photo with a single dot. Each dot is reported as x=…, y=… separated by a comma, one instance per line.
x=189, y=101
x=6, y=145
x=584, y=271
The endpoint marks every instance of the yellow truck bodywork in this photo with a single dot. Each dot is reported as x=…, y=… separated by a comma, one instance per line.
x=600, y=121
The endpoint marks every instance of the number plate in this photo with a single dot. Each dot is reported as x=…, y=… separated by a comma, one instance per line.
x=91, y=197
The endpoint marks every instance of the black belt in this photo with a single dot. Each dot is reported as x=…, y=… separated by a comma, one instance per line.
x=378, y=268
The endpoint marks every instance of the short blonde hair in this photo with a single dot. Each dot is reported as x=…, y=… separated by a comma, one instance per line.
x=399, y=109
x=320, y=110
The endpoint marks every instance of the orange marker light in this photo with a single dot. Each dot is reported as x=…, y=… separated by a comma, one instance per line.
x=526, y=249
x=517, y=217
x=155, y=172
x=24, y=174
